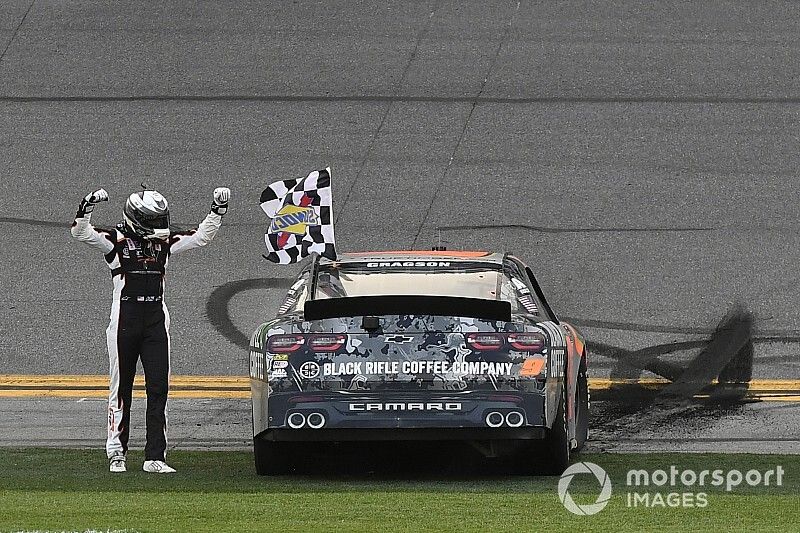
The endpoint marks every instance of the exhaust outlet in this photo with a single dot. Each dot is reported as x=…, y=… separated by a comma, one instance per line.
x=315, y=420
x=514, y=419
x=494, y=419
x=296, y=420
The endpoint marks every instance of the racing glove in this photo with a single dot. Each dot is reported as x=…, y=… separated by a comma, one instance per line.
x=88, y=202
x=221, y=197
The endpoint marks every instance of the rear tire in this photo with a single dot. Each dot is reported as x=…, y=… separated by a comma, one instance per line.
x=555, y=446
x=272, y=458
x=582, y=410
x=549, y=456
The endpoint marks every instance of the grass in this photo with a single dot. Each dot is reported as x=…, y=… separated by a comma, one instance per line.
x=71, y=490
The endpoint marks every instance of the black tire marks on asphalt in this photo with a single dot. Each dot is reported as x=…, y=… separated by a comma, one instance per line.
x=727, y=356
x=34, y=222
x=718, y=359
x=218, y=306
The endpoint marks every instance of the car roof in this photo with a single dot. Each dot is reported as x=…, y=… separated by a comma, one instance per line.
x=418, y=255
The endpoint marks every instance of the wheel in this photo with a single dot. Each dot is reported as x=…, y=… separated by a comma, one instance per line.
x=549, y=456
x=582, y=410
x=555, y=446
x=272, y=458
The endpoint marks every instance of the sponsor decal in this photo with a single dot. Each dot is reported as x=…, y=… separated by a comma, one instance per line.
x=415, y=367
x=297, y=284
x=556, y=363
x=309, y=370
x=395, y=264
x=293, y=219
x=405, y=406
x=280, y=357
x=520, y=286
x=256, y=365
x=279, y=373
x=286, y=305
x=279, y=364
x=358, y=382
x=257, y=341
x=532, y=366
x=398, y=339
x=528, y=303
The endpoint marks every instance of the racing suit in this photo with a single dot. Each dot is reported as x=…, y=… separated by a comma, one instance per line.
x=139, y=325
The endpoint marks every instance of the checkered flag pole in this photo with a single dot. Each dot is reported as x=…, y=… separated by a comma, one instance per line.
x=301, y=218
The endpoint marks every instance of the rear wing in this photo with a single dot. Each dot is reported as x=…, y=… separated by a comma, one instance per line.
x=350, y=306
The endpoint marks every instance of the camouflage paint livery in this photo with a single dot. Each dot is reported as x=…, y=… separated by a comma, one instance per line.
x=413, y=371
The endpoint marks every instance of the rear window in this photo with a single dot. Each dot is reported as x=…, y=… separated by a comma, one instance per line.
x=470, y=283
x=465, y=280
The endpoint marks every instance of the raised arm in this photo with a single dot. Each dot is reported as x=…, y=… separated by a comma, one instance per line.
x=82, y=228
x=207, y=229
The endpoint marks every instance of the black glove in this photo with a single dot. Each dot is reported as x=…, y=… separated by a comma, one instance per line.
x=87, y=204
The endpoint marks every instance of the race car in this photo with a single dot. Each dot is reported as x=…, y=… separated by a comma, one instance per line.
x=419, y=345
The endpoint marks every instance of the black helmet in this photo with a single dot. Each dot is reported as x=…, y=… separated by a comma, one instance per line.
x=146, y=214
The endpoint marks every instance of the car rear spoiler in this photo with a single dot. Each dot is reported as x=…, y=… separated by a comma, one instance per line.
x=408, y=305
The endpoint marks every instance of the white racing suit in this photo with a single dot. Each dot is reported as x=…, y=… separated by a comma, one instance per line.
x=139, y=326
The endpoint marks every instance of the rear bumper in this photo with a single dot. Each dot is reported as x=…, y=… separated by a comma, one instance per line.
x=388, y=415
x=409, y=434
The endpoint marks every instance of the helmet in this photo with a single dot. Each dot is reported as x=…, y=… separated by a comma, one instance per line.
x=146, y=214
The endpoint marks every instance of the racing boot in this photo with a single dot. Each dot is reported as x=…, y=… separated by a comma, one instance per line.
x=157, y=467
x=116, y=463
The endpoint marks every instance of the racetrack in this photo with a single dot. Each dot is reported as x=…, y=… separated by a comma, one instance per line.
x=642, y=158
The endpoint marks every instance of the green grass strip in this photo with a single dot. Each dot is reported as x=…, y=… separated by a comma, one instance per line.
x=71, y=490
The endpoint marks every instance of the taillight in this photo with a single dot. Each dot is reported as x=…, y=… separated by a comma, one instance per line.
x=485, y=341
x=284, y=343
x=326, y=343
x=527, y=342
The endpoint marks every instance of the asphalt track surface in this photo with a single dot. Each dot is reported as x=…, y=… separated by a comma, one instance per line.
x=641, y=157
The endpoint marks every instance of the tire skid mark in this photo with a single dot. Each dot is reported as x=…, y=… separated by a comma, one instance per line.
x=218, y=306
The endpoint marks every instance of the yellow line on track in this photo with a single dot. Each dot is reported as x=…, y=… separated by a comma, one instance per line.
x=755, y=385
x=96, y=393
x=96, y=386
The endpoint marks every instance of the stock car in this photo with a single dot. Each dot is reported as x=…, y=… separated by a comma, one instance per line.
x=419, y=345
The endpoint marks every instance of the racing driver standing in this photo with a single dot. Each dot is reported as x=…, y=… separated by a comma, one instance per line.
x=137, y=252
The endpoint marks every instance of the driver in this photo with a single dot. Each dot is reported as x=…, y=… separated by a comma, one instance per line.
x=137, y=252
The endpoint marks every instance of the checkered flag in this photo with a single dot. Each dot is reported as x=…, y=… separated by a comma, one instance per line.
x=301, y=218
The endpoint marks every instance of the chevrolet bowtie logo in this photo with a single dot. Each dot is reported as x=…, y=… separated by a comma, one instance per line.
x=397, y=339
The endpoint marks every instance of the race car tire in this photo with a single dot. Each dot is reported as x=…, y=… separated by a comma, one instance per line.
x=272, y=458
x=582, y=410
x=556, y=446
x=549, y=456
